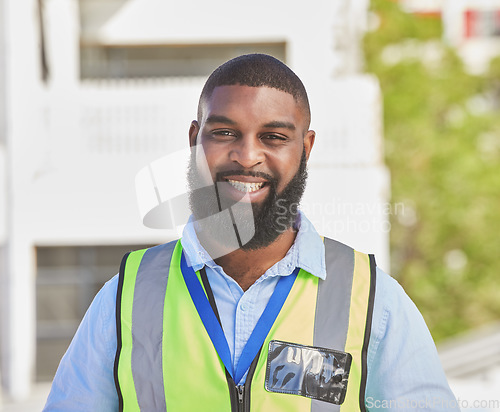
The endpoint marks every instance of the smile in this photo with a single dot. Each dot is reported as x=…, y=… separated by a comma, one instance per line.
x=245, y=187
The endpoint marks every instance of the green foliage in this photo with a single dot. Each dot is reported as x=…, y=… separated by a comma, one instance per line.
x=443, y=151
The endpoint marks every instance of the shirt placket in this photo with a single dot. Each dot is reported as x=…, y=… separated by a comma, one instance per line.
x=244, y=321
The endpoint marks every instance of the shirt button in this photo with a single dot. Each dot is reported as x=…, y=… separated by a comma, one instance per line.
x=243, y=307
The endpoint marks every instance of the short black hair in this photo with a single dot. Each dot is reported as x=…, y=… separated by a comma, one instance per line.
x=257, y=70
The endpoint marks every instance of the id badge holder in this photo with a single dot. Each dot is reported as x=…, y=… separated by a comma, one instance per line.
x=309, y=371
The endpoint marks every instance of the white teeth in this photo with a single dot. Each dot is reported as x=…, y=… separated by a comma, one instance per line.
x=245, y=187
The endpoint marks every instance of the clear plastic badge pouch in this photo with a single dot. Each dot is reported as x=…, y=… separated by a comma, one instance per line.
x=316, y=373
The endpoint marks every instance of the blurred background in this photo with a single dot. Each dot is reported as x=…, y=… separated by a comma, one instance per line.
x=405, y=99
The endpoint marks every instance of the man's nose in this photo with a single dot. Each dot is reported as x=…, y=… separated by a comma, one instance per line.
x=247, y=151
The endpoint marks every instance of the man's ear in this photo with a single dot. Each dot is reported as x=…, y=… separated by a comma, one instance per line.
x=193, y=133
x=309, y=142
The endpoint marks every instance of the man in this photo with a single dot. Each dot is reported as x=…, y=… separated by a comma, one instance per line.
x=260, y=312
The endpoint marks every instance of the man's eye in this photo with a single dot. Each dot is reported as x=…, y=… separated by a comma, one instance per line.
x=223, y=133
x=274, y=137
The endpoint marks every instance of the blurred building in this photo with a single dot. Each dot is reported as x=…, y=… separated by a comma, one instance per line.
x=471, y=362
x=91, y=91
x=470, y=26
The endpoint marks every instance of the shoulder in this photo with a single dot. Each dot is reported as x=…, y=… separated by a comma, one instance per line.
x=107, y=292
x=394, y=312
x=389, y=293
x=99, y=323
x=403, y=364
x=165, y=249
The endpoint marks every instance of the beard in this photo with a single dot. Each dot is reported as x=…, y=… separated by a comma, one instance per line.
x=247, y=226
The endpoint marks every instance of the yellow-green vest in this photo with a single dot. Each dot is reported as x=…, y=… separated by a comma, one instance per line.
x=166, y=361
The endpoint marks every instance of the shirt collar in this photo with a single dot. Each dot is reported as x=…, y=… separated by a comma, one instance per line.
x=307, y=252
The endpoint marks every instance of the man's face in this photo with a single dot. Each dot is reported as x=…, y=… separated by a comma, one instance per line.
x=256, y=144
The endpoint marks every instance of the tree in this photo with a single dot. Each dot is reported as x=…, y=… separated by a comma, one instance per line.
x=442, y=143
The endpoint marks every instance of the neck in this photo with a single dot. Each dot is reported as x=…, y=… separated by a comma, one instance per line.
x=246, y=266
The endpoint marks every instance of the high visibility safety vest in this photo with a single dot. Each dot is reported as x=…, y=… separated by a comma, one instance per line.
x=166, y=359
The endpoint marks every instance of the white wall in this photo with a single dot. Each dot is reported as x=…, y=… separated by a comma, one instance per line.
x=3, y=188
x=348, y=191
x=22, y=101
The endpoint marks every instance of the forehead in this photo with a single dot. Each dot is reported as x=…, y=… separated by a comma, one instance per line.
x=252, y=102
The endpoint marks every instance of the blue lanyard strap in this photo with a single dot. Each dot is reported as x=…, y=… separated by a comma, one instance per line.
x=265, y=323
x=207, y=315
x=214, y=328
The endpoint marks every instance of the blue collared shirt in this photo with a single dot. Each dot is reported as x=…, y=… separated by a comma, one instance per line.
x=403, y=366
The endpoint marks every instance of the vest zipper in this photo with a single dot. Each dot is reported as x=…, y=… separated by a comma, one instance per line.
x=240, y=394
x=241, y=398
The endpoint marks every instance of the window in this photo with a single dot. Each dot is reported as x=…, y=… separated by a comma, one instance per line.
x=146, y=61
x=482, y=23
x=68, y=278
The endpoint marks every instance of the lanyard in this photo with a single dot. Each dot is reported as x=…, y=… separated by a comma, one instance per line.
x=214, y=328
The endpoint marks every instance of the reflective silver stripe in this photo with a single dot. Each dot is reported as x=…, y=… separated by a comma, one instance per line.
x=147, y=327
x=332, y=306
